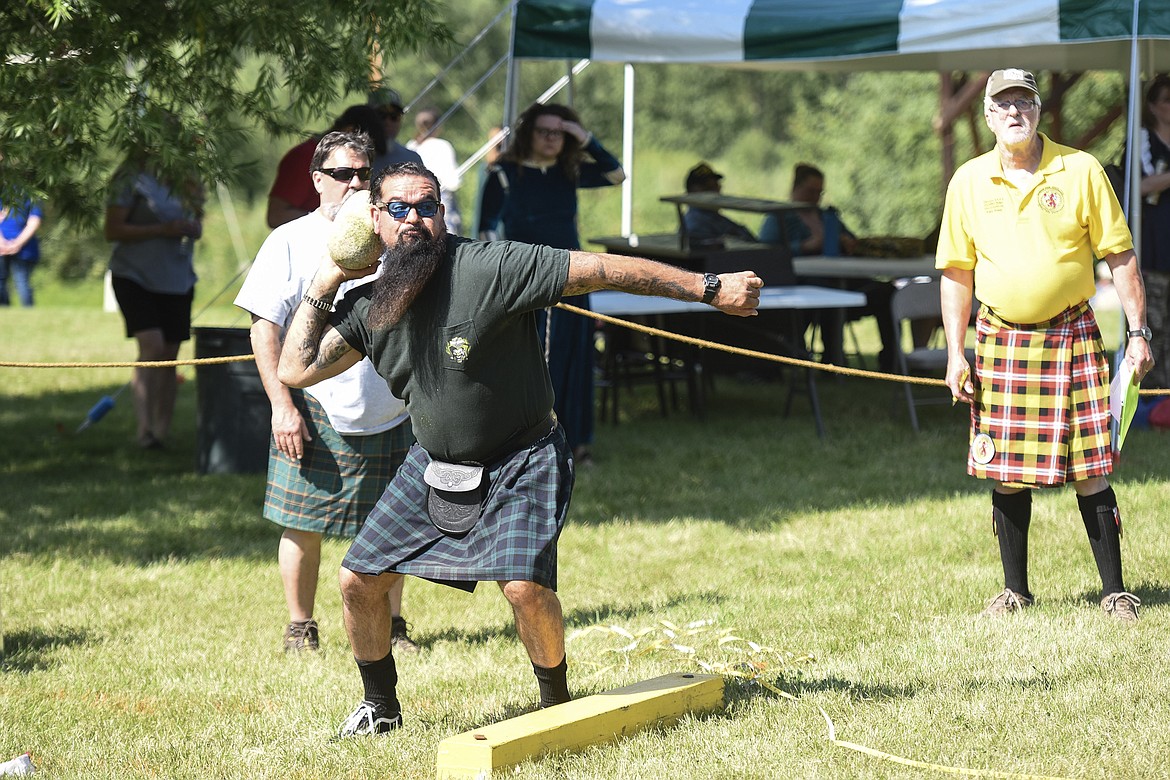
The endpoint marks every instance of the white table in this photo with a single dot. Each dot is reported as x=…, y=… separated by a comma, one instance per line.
x=791, y=298
x=801, y=296
x=881, y=269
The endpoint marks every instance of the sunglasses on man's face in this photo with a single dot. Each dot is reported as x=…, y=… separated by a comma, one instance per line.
x=392, y=114
x=400, y=209
x=346, y=174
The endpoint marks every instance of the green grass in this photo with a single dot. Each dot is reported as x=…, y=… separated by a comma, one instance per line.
x=142, y=609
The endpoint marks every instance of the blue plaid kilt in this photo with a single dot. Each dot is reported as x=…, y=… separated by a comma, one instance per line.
x=515, y=538
x=334, y=486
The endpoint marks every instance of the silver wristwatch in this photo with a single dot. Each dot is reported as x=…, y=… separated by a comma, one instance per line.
x=1144, y=331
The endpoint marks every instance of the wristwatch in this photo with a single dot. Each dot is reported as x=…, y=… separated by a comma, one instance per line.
x=1144, y=331
x=711, y=285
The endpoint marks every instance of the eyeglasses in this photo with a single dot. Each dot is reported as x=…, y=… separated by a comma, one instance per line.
x=400, y=209
x=391, y=113
x=1023, y=105
x=346, y=174
x=545, y=132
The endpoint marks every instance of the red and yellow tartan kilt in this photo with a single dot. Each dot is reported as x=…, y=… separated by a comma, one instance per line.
x=1041, y=411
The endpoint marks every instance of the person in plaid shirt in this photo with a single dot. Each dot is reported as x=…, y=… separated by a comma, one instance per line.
x=1022, y=228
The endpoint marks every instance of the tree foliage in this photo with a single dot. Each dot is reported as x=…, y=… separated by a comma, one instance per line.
x=87, y=82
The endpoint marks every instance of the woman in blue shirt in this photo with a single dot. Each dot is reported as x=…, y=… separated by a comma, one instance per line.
x=530, y=195
x=19, y=249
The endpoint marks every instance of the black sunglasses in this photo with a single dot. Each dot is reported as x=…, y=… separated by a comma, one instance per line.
x=400, y=209
x=345, y=174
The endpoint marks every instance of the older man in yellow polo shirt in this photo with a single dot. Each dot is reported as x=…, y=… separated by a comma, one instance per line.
x=1022, y=228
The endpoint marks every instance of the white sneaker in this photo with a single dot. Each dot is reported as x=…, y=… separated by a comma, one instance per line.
x=368, y=719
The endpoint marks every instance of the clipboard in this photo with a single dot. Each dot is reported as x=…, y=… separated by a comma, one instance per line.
x=1123, y=400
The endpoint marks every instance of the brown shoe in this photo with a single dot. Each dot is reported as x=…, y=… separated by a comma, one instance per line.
x=1006, y=603
x=301, y=635
x=1121, y=606
x=399, y=640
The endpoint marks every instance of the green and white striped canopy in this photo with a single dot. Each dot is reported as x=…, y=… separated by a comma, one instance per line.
x=847, y=34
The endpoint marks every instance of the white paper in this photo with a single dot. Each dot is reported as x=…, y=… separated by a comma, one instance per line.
x=1118, y=388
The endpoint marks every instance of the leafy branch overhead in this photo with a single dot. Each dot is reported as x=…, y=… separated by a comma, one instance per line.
x=85, y=83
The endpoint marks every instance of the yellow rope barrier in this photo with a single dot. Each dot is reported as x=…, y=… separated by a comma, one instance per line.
x=882, y=755
x=951, y=770
x=137, y=363
x=810, y=364
x=827, y=367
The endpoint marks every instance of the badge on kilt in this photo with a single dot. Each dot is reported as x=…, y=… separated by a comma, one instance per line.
x=982, y=449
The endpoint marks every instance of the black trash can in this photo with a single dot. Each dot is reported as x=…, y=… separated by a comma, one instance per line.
x=233, y=419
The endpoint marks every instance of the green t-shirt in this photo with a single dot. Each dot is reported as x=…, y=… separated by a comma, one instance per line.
x=466, y=357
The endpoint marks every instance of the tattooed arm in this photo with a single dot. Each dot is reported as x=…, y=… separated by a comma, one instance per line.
x=313, y=350
x=588, y=271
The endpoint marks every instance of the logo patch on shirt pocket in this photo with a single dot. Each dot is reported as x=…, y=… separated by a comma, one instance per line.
x=458, y=342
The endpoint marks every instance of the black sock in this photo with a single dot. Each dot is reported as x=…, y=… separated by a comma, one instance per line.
x=1012, y=514
x=554, y=683
x=380, y=681
x=1103, y=524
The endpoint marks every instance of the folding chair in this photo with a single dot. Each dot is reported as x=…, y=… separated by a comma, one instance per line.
x=920, y=299
x=627, y=359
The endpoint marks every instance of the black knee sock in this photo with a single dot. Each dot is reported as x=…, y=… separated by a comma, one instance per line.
x=554, y=683
x=1103, y=524
x=1012, y=513
x=380, y=681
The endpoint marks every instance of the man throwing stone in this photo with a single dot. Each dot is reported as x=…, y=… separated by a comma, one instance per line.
x=450, y=325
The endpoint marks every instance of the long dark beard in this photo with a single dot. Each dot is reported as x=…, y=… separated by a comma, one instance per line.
x=407, y=268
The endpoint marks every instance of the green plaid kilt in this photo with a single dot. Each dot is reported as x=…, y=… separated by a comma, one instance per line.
x=1041, y=411
x=334, y=486
x=516, y=536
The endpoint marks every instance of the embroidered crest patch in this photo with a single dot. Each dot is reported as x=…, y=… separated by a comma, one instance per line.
x=1050, y=199
x=982, y=449
x=458, y=349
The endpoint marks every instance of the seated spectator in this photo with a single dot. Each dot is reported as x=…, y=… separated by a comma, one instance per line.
x=804, y=231
x=709, y=224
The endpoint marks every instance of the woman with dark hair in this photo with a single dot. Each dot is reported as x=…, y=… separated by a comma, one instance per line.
x=1155, y=249
x=531, y=196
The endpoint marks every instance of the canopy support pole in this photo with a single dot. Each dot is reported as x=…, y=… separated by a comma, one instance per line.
x=628, y=152
x=512, y=83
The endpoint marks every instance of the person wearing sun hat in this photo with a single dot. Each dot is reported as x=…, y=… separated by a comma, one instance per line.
x=1022, y=228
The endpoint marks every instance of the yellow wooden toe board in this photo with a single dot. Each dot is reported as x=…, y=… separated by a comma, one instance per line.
x=602, y=717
